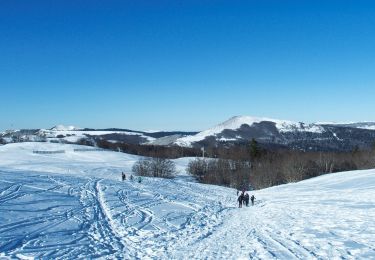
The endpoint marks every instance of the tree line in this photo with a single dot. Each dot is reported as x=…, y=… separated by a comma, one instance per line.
x=266, y=168
x=242, y=165
x=167, y=152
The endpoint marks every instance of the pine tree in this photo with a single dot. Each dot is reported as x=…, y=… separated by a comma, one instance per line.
x=254, y=149
x=373, y=146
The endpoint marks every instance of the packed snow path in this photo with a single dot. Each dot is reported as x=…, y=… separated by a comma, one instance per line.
x=73, y=205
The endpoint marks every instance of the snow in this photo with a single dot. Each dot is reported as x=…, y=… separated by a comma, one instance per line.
x=75, y=135
x=65, y=128
x=237, y=121
x=360, y=125
x=364, y=125
x=337, y=138
x=73, y=205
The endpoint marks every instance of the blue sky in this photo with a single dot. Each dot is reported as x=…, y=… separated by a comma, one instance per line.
x=184, y=65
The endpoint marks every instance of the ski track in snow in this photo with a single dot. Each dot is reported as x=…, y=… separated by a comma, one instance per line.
x=107, y=218
x=68, y=208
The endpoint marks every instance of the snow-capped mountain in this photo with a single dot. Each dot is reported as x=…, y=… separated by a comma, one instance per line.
x=235, y=123
x=72, y=134
x=65, y=128
x=283, y=133
x=268, y=132
x=359, y=125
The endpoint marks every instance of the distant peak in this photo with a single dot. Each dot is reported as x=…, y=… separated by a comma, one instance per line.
x=65, y=128
x=236, y=121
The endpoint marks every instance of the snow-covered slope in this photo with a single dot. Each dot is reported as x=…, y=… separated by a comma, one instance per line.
x=73, y=205
x=359, y=125
x=237, y=121
x=73, y=135
x=65, y=128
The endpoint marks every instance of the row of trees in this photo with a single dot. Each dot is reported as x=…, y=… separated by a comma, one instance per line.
x=170, y=152
x=221, y=172
x=242, y=165
x=269, y=168
x=290, y=166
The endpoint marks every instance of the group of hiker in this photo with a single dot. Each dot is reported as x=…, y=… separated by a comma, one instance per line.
x=244, y=199
x=123, y=177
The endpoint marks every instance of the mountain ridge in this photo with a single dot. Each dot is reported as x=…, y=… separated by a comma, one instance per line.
x=234, y=131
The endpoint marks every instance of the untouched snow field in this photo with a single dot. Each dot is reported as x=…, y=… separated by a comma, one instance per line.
x=73, y=205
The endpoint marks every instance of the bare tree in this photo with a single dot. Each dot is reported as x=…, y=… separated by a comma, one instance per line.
x=162, y=168
x=198, y=168
x=154, y=167
x=142, y=167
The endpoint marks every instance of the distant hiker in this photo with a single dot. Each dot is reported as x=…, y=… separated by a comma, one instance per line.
x=238, y=192
x=240, y=200
x=131, y=177
x=123, y=176
x=139, y=179
x=252, y=200
x=247, y=199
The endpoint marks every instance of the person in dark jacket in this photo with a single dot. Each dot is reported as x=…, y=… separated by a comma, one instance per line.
x=123, y=176
x=240, y=200
x=247, y=199
x=252, y=200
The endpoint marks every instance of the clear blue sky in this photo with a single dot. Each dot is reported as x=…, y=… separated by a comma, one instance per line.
x=184, y=65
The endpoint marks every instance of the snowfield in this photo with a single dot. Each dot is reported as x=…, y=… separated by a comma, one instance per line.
x=74, y=134
x=73, y=205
